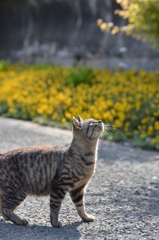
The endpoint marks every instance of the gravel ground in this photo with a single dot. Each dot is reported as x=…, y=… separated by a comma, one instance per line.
x=123, y=195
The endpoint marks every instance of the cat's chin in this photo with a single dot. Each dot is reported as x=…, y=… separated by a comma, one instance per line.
x=101, y=128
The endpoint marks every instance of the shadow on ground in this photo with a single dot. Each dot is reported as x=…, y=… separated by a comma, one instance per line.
x=8, y=229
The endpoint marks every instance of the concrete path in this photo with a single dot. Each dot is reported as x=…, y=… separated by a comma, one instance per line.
x=123, y=195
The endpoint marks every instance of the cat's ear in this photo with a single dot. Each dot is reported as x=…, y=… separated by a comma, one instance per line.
x=75, y=123
x=80, y=119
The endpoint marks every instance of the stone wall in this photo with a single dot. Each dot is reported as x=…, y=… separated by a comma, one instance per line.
x=62, y=30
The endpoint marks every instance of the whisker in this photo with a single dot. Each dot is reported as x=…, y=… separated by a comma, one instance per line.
x=108, y=132
x=111, y=128
x=111, y=125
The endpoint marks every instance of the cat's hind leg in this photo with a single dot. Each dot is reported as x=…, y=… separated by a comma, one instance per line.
x=1, y=213
x=8, y=204
x=56, y=197
x=1, y=206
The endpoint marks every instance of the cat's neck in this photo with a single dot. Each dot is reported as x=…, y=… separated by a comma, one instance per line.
x=87, y=146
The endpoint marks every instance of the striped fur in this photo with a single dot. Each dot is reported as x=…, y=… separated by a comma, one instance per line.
x=50, y=170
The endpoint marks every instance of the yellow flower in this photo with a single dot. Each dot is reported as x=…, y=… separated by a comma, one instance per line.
x=143, y=135
x=153, y=105
x=139, y=127
x=108, y=116
x=136, y=132
x=153, y=141
x=147, y=111
x=156, y=127
x=103, y=26
x=150, y=130
x=144, y=120
x=68, y=115
x=126, y=127
x=63, y=120
x=128, y=134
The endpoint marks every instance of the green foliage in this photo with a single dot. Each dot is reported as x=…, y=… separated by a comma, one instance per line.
x=143, y=20
x=80, y=75
x=39, y=66
x=4, y=65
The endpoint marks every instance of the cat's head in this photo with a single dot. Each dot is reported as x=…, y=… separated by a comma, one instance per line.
x=87, y=129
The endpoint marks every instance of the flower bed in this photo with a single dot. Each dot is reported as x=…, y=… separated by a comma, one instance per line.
x=129, y=100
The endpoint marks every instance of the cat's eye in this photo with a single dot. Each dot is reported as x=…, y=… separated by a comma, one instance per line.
x=92, y=123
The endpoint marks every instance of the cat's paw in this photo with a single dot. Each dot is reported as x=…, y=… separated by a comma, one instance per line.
x=56, y=223
x=21, y=222
x=25, y=222
x=89, y=218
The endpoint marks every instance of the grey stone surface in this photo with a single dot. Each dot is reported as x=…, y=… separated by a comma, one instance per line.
x=63, y=31
x=123, y=194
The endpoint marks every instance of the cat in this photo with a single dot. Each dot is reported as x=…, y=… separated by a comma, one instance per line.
x=51, y=170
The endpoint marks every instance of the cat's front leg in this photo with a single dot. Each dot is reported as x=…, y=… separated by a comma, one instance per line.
x=77, y=196
x=56, y=197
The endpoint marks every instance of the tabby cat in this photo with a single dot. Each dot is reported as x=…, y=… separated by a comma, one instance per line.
x=53, y=170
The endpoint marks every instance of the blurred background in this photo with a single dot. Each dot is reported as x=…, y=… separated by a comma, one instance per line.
x=96, y=58
x=60, y=31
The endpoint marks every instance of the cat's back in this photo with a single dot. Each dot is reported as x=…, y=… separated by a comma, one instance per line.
x=34, y=166
x=26, y=154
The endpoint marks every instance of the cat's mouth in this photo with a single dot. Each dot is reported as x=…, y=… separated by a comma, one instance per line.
x=101, y=128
